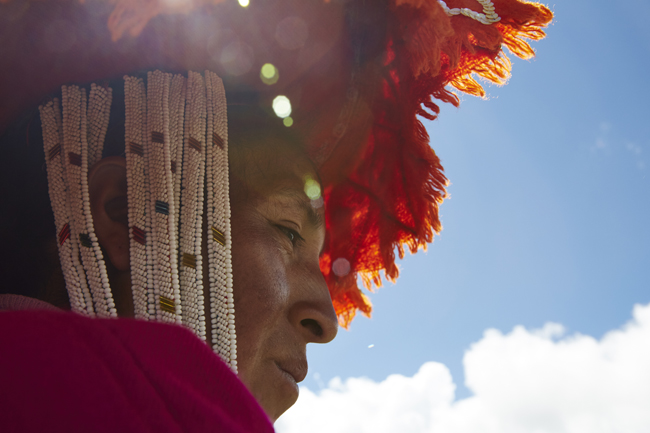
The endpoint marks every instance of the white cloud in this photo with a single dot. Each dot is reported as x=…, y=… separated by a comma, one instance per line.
x=539, y=381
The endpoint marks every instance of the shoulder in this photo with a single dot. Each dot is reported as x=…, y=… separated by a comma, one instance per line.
x=65, y=370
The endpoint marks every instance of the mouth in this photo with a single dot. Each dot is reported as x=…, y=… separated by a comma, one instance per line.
x=296, y=370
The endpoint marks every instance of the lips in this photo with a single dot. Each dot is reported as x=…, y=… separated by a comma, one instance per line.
x=297, y=368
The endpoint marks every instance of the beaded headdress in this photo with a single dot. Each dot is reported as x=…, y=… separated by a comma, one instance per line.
x=360, y=75
x=176, y=141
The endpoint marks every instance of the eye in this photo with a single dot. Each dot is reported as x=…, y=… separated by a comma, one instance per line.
x=291, y=234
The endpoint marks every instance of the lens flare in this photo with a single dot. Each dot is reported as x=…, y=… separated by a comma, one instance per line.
x=282, y=106
x=341, y=267
x=312, y=188
x=269, y=74
x=288, y=121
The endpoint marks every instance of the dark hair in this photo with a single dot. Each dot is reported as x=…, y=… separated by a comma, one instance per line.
x=26, y=220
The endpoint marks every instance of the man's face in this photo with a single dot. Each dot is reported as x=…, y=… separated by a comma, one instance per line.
x=281, y=299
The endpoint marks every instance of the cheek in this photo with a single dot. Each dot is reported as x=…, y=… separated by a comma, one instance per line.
x=260, y=289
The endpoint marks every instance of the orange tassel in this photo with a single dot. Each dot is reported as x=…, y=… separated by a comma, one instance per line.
x=390, y=202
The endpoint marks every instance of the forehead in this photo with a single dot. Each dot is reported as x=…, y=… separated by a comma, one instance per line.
x=268, y=166
x=276, y=167
x=279, y=178
x=268, y=161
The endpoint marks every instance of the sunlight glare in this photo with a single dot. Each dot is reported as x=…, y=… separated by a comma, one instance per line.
x=269, y=74
x=282, y=106
x=312, y=188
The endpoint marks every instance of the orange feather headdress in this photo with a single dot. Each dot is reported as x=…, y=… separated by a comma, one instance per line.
x=390, y=200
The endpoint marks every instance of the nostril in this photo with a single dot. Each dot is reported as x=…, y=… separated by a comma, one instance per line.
x=312, y=326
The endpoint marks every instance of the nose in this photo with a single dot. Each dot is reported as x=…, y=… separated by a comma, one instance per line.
x=312, y=313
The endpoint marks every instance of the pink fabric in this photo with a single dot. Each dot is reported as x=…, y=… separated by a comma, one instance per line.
x=60, y=372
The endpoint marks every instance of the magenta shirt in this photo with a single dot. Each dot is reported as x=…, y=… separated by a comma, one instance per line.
x=61, y=372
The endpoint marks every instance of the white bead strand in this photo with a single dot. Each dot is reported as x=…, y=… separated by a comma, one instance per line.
x=170, y=119
x=99, y=110
x=177, y=101
x=73, y=103
x=162, y=204
x=135, y=128
x=191, y=211
x=489, y=16
x=74, y=243
x=76, y=151
x=222, y=309
x=176, y=123
x=94, y=263
x=52, y=139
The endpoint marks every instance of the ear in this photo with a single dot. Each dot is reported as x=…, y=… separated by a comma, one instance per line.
x=108, y=204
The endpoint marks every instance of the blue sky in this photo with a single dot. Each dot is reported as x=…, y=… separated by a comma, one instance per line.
x=549, y=209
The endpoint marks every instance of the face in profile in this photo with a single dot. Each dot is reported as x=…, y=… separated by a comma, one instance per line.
x=281, y=299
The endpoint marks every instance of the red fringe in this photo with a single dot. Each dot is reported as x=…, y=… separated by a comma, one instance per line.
x=390, y=202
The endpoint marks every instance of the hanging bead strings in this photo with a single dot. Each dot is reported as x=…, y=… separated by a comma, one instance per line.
x=138, y=199
x=91, y=252
x=71, y=145
x=175, y=136
x=222, y=308
x=80, y=298
x=178, y=95
x=191, y=222
x=162, y=206
x=99, y=110
x=75, y=155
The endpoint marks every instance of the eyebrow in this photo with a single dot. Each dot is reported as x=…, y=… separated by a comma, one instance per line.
x=300, y=199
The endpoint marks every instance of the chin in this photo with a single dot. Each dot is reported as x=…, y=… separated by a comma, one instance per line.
x=274, y=409
x=279, y=391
